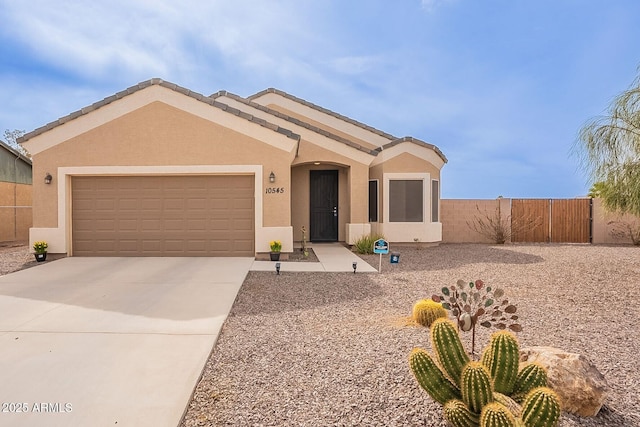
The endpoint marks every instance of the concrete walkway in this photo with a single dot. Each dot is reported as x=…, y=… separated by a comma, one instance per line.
x=110, y=341
x=331, y=257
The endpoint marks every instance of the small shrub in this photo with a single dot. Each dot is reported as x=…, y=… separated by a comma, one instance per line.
x=364, y=245
x=275, y=245
x=40, y=247
x=626, y=230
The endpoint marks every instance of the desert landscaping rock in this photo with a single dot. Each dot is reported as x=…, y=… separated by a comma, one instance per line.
x=330, y=349
x=581, y=387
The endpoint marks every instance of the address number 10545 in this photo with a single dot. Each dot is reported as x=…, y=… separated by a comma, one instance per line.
x=274, y=190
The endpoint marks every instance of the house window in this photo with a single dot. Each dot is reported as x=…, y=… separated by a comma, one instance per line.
x=373, y=200
x=435, y=200
x=406, y=200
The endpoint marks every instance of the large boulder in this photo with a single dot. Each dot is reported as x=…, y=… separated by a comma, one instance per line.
x=582, y=389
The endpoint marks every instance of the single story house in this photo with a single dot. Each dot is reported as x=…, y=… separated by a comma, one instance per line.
x=159, y=170
x=15, y=194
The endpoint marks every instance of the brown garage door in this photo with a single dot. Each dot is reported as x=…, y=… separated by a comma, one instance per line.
x=163, y=216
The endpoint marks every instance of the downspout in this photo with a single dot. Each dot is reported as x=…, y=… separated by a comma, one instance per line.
x=15, y=197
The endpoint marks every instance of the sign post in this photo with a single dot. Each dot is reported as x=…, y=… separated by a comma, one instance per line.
x=380, y=246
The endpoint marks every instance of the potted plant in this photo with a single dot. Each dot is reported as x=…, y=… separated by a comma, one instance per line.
x=40, y=249
x=276, y=247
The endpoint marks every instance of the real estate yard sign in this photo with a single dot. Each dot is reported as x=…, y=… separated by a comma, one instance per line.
x=380, y=246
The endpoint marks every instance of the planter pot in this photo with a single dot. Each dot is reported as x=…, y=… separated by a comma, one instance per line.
x=275, y=256
x=41, y=257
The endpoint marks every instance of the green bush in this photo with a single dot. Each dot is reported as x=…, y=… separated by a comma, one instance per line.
x=364, y=245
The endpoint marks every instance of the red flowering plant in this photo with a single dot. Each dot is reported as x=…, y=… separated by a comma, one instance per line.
x=474, y=303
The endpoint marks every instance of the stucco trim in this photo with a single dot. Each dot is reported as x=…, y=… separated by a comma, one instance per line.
x=322, y=110
x=64, y=186
x=425, y=231
x=143, y=94
x=420, y=151
x=292, y=120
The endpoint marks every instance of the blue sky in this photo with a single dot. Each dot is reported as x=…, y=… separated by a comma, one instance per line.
x=500, y=86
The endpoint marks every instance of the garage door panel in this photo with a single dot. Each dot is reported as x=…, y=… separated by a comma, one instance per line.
x=163, y=216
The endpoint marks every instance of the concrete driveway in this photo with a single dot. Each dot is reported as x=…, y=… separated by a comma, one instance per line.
x=110, y=341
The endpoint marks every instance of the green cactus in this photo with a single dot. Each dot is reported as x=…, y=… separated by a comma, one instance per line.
x=457, y=414
x=541, y=408
x=448, y=347
x=431, y=378
x=426, y=311
x=496, y=415
x=530, y=376
x=476, y=386
x=502, y=358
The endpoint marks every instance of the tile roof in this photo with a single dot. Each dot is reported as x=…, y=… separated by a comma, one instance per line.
x=295, y=121
x=324, y=110
x=166, y=84
x=414, y=141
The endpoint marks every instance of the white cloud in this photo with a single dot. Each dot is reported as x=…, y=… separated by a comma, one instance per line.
x=156, y=38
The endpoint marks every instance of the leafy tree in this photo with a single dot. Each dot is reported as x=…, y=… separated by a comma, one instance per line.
x=596, y=190
x=608, y=148
x=11, y=138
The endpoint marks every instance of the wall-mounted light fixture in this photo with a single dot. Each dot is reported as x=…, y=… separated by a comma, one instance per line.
x=272, y=177
x=48, y=178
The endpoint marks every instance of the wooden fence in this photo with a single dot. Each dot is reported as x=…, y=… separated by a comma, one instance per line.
x=551, y=220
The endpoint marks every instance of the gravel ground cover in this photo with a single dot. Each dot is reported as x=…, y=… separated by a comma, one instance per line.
x=13, y=258
x=330, y=349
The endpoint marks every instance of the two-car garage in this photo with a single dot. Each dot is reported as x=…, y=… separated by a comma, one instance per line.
x=163, y=215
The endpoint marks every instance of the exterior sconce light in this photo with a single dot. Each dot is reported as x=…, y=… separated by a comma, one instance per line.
x=48, y=178
x=278, y=268
x=355, y=266
x=272, y=177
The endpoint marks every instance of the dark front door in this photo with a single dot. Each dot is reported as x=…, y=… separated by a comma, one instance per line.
x=323, y=193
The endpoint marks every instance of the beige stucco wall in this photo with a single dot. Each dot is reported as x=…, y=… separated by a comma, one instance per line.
x=322, y=126
x=456, y=214
x=404, y=165
x=352, y=187
x=15, y=212
x=161, y=135
x=601, y=227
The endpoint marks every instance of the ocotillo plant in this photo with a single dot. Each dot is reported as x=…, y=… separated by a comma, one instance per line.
x=473, y=302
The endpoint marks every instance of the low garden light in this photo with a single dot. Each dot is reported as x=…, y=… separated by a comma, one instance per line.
x=355, y=266
x=277, y=268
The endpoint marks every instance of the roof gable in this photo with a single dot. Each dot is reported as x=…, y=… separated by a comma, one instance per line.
x=294, y=121
x=137, y=96
x=323, y=115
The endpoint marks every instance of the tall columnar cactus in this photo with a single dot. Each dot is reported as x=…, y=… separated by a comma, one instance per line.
x=530, y=376
x=449, y=350
x=431, y=378
x=541, y=408
x=502, y=358
x=426, y=311
x=496, y=415
x=470, y=391
x=458, y=414
x=476, y=386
